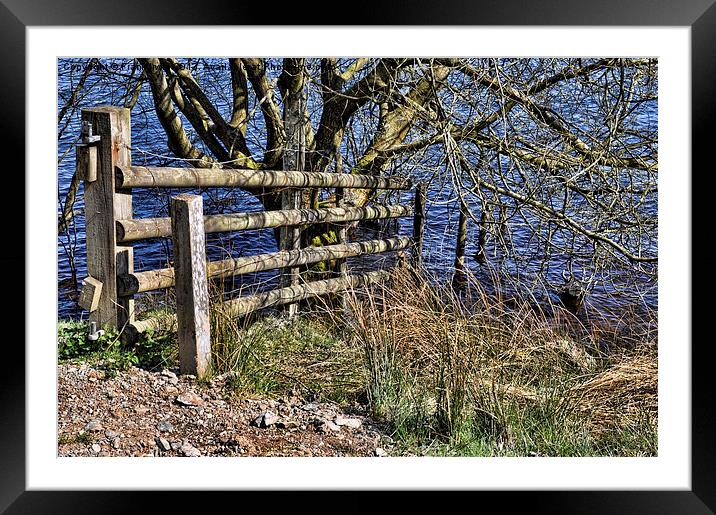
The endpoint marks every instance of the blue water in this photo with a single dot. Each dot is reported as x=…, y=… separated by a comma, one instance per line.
x=149, y=148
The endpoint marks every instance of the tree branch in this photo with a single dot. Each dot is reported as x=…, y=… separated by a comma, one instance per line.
x=177, y=138
x=275, y=133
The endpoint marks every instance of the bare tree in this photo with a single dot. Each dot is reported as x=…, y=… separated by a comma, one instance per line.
x=564, y=149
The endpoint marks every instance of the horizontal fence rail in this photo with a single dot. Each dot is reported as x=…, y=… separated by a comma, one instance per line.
x=104, y=164
x=165, y=321
x=138, y=282
x=146, y=228
x=250, y=303
x=245, y=305
x=164, y=177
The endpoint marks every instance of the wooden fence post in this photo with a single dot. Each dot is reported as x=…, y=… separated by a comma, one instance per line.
x=192, y=293
x=104, y=205
x=419, y=224
x=342, y=264
x=294, y=158
x=459, y=277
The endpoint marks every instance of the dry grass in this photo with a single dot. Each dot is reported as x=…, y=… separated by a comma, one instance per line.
x=443, y=367
x=623, y=393
x=457, y=373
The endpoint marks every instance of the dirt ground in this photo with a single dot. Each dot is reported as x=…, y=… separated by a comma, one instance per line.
x=141, y=413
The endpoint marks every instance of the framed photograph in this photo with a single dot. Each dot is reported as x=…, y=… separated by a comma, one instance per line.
x=454, y=142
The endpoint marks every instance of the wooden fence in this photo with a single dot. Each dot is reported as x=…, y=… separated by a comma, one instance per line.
x=104, y=163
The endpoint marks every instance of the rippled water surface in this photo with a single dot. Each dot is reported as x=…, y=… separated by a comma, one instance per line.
x=149, y=148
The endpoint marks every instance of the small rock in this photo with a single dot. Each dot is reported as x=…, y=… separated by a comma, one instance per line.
x=176, y=445
x=141, y=410
x=93, y=425
x=190, y=451
x=171, y=390
x=111, y=435
x=94, y=375
x=287, y=424
x=96, y=448
x=163, y=444
x=266, y=419
x=330, y=425
x=171, y=377
x=311, y=406
x=190, y=399
x=354, y=423
x=269, y=419
x=115, y=443
x=165, y=426
x=380, y=452
x=325, y=424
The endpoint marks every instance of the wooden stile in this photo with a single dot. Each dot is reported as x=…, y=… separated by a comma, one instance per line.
x=104, y=163
x=104, y=204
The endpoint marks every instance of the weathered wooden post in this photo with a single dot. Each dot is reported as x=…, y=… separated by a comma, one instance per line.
x=418, y=224
x=192, y=292
x=294, y=158
x=459, y=277
x=106, y=140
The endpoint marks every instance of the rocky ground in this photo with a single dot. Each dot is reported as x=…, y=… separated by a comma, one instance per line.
x=141, y=413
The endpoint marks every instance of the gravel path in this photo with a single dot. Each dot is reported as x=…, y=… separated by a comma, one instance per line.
x=141, y=413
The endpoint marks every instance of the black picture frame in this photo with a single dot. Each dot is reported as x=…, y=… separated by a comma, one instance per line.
x=17, y=15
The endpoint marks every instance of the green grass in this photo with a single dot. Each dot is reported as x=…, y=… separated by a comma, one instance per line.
x=533, y=434
x=153, y=351
x=80, y=438
x=273, y=355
